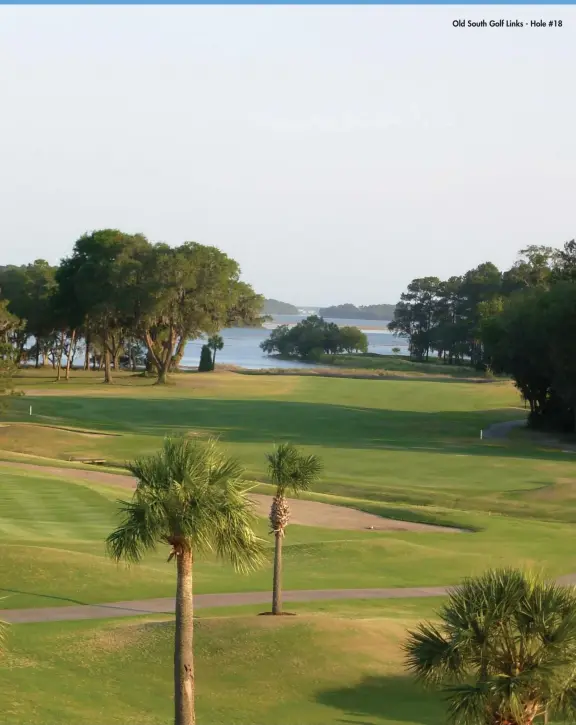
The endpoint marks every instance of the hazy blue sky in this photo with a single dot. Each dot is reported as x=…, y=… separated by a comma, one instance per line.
x=335, y=152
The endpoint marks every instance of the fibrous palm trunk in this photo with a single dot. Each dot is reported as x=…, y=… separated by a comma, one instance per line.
x=279, y=517
x=277, y=582
x=184, y=711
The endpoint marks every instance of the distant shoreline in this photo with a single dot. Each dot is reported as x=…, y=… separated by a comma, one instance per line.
x=362, y=324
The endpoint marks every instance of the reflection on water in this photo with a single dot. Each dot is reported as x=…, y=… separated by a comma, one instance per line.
x=242, y=344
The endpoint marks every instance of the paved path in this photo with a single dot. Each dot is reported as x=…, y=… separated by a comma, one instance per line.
x=202, y=601
x=497, y=431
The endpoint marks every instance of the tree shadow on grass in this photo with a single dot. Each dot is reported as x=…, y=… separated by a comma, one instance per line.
x=43, y=596
x=120, y=610
x=405, y=376
x=444, y=432
x=260, y=421
x=386, y=699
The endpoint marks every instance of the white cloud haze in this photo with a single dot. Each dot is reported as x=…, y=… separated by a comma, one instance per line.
x=335, y=152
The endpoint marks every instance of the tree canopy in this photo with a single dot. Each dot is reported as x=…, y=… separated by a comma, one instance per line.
x=313, y=337
x=118, y=293
x=276, y=307
x=349, y=311
x=518, y=322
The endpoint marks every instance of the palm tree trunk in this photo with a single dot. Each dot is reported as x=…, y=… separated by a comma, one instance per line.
x=277, y=581
x=184, y=713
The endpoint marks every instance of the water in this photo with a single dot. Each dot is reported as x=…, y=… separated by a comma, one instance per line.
x=242, y=344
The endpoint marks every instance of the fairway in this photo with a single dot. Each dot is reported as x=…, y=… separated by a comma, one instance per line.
x=416, y=442
x=407, y=450
x=375, y=440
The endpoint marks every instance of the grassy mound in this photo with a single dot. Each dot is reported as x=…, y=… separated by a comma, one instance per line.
x=250, y=670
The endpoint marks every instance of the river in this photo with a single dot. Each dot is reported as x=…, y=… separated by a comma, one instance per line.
x=242, y=344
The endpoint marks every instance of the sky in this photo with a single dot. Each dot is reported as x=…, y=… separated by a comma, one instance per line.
x=335, y=152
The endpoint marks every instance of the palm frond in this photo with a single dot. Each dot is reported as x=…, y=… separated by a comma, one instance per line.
x=431, y=656
x=191, y=492
x=288, y=469
x=234, y=536
x=140, y=530
x=562, y=703
x=504, y=649
x=468, y=704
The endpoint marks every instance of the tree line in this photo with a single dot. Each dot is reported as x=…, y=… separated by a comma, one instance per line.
x=313, y=337
x=122, y=300
x=520, y=322
x=349, y=311
x=277, y=307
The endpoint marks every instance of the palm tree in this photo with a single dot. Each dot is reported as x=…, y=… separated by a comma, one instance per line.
x=288, y=470
x=503, y=652
x=215, y=343
x=190, y=497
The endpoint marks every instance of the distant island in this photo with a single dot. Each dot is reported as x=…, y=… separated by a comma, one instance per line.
x=363, y=312
x=347, y=311
x=275, y=307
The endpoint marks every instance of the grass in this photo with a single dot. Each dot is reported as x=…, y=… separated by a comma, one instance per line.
x=52, y=546
x=411, y=442
x=408, y=449
x=393, y=365
x=399, y=363
x=250, y=670
x=404, y=449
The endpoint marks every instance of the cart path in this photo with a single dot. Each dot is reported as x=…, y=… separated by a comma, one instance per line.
x=303, y=512
x=202, y=601
x=498, y=431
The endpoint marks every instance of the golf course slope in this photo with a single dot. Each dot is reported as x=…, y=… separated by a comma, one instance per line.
x=283, y=671
x=305, y=513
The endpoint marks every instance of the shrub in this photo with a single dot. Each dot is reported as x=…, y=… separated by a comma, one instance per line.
x=206, y=363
